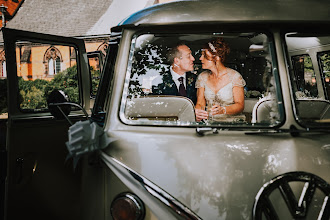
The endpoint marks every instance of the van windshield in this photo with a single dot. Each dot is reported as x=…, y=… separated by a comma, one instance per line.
x=309, y=56
x=229, y=75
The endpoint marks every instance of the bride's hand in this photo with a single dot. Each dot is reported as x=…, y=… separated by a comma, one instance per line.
x=217, y=109
x=201, y=114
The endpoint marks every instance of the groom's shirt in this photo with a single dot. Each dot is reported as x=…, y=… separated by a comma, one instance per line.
x=170, y=85
x=176, y=77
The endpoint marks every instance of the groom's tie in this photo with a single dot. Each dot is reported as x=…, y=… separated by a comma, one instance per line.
x=182, y=90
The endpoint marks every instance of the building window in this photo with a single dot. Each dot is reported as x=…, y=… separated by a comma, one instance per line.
x=52, y=61
x=54, y=66
x=3, y=70
x=57, y=65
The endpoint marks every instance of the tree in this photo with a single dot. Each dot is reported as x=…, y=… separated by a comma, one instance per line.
x=151, y=57
x=95, y=74
x=33, y=94
x=325, y=60
x=67, y=81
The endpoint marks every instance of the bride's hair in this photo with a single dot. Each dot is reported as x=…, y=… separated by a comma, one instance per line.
x=218, y=47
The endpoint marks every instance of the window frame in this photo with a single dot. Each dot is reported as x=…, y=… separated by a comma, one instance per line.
x=50, y=46
x=294, y=70
x=272, y=53
x=11, y=37
x=318, y=55
x=311, y=31
x=107, y=76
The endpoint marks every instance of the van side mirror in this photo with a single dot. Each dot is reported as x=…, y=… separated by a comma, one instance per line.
x=58, y=111
x=60, y=107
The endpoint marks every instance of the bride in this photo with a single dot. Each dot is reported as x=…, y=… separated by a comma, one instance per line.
x=220, y=90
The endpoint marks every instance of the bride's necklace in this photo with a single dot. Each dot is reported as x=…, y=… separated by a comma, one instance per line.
x=221, y=74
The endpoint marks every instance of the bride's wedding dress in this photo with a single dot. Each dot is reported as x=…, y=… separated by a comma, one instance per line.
x=224, y=95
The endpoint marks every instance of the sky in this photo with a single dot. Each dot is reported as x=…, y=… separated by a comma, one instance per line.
x=119, y=10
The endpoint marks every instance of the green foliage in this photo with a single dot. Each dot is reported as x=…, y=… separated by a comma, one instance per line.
x=95, y=80
x=31, y=93
x=34, y=94
x=325, y=60
x=150, y=57
x=33, y=99
x=308, y=65
x=67, y=81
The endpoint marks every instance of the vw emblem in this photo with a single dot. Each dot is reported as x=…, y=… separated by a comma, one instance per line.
x=298, y=208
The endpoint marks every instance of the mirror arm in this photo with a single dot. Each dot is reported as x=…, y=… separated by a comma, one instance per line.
x=66, y=117
x=72, y=104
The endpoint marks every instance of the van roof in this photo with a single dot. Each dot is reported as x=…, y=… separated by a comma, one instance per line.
x=199, y=11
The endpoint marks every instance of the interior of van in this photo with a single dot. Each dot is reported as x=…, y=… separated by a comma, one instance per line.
x=309, y=54
x=249, y=55
x=252, y=55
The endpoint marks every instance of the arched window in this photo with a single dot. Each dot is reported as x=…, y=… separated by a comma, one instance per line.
x=51, y=67
x=3, y=69
x=52, y=61
x=57, y=65
x=54, y=66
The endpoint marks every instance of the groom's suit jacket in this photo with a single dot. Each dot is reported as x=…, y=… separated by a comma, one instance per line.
x=168, y=86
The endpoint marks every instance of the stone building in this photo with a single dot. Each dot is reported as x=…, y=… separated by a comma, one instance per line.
x=8, y=9
x=90, y=20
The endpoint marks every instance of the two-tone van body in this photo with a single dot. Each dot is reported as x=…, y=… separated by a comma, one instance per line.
x=144, y=156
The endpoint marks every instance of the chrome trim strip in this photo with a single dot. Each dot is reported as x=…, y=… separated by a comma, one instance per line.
x=152, y=195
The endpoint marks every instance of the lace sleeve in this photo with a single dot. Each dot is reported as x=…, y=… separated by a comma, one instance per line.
x=238, y=80
x=201, y=80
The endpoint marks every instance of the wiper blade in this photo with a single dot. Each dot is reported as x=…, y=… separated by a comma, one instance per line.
x=201, y=131
x=293, y=131
x=273, y=131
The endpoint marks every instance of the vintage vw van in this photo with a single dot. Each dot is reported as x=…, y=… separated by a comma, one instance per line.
x=142, y=155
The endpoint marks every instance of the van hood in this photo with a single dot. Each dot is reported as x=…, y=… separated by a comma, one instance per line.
x=218, y=176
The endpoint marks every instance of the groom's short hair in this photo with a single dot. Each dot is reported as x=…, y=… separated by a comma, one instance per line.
x=174, y=52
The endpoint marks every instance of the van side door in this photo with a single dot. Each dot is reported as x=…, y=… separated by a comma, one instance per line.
x=41, y=183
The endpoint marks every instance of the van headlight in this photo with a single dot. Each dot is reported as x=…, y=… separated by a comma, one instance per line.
x=127, y=206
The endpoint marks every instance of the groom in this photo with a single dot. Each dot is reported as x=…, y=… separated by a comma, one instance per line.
x=179, y=80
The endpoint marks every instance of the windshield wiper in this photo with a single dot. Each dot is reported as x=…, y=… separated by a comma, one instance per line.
x=201, y=131
x=293, y=131
x=209, y=130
